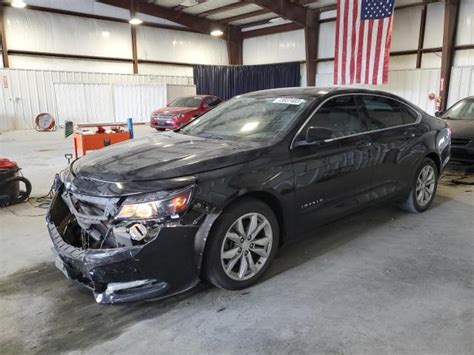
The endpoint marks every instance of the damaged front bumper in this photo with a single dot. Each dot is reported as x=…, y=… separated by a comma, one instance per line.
x=163, y=267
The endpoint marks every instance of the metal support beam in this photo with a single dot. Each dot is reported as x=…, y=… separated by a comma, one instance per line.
x=421, y=37
x=451, y=14
x=311, y=35
x=134, y=50
x=283, y=8
x=234, y=45
x=196, y=23
x=3, y=41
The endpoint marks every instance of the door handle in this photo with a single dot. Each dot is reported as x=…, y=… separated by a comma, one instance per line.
x=409, y=134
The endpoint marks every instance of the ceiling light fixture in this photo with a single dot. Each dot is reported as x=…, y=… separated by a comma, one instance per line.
x=19, y=4
x=135, y=21
x=217, y=33
x=276, y=20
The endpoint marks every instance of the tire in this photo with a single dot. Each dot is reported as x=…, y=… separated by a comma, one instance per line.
x=260, y=250
x=412, y=203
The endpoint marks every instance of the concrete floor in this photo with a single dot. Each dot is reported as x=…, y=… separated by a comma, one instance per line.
x=381, y=281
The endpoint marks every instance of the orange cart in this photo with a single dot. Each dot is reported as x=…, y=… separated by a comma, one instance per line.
x=84, y=140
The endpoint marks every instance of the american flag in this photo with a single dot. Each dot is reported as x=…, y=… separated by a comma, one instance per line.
x=363, y=37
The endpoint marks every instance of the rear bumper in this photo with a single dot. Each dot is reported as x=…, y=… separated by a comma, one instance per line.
x=162, y=267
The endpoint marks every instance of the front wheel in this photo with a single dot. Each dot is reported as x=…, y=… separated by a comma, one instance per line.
x=423, y=188
x=242, y=245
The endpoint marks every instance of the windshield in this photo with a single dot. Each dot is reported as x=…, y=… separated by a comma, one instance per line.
x=463, y=110
x=247, y=118
x=186, y=102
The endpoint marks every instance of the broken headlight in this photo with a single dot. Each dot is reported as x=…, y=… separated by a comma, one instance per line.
x=153, y=208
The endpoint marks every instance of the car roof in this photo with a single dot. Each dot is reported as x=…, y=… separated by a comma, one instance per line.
x=316, y=92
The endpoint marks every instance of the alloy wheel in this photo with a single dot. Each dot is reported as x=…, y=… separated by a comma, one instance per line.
x=425, y=185
x=246, y=246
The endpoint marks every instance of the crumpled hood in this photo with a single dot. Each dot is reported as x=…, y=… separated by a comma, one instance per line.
x=162, y=156
x=461, y=128
x=175, y=110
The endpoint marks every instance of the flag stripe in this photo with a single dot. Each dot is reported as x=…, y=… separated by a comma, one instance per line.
x=378, y=45
x=359, y=51
x=336, y=49
x=369, y=48
x=355, y=10
x=344, y=41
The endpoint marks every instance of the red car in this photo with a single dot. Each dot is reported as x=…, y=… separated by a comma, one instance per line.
x=182, y=110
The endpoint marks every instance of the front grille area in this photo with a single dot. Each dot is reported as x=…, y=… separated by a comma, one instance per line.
x=460, y=141
x=93, y=214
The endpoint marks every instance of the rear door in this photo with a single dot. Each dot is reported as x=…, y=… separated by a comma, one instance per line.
x=394, y=135
x=334, y=176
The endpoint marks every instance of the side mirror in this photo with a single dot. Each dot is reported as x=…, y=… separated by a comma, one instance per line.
x=205, y=106
x=315, y=134
x=439, y=113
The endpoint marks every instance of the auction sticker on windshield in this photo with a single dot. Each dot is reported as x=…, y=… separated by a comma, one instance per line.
x=289, y=101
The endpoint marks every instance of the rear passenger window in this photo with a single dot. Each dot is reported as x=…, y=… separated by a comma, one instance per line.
x=341, y=115
x=382, y=112
x=409, y=115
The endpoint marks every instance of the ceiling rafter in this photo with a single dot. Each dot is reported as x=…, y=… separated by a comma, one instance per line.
x=244, y=16
x=143, y=6
x=225, y=8
x=287, y=10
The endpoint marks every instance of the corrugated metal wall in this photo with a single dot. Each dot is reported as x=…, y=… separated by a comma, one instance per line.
x=462, y=84
x=25, y=93
x=414, y=85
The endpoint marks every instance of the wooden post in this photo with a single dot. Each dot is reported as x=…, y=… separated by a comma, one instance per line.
x=421, y=37
x=134, y=50
x=3, y=41
x=234, y=45
x=311, y=34
x=451, y=13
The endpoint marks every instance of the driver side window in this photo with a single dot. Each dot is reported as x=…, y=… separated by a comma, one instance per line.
x=341, y=115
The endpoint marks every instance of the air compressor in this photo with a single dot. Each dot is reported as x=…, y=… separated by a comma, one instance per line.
x=10, y=179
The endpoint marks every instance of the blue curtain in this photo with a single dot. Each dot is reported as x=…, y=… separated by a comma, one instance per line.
x=228, y=81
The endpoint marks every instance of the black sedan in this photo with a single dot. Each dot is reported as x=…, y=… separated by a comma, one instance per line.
x=460, y=118
x=215, y=199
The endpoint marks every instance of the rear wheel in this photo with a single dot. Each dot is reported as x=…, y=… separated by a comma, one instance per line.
x=423, y=188
x=242, y=245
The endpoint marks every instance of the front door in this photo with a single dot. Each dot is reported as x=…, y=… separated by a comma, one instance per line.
x=334, y=176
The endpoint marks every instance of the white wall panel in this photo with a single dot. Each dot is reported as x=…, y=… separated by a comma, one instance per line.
x=62, y=64
x=406, y=27
x=434, y=26
x=138, y=101
x=431, y=60
x=275, y=48
x=327, y=39
x=182, y=47
x=465, y=30
x=47, y=32
x=400, y=62
x=7, y=113
x=461, y=84
x=31, y=92
x=414, y=85
x=165, y=70
x=463, y=58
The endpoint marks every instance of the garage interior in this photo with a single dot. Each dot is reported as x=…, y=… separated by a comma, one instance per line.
x=379, y=281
